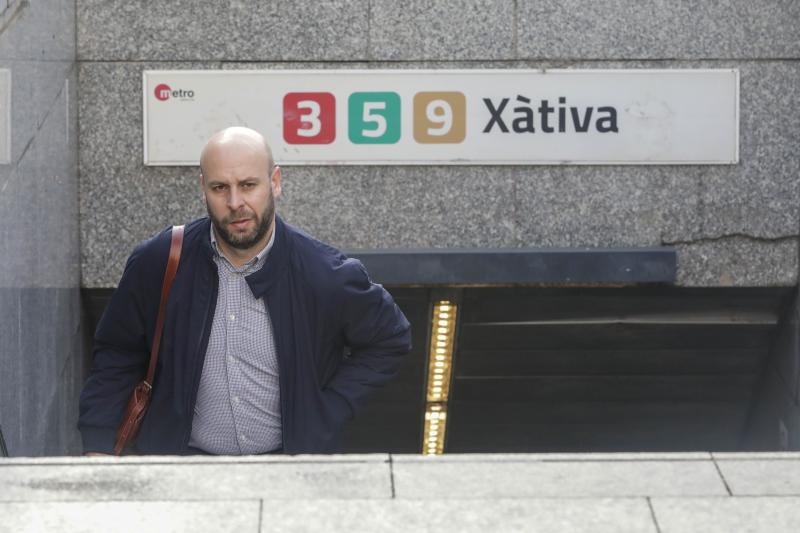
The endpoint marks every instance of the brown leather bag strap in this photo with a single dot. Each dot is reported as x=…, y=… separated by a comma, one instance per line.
x=169, y=275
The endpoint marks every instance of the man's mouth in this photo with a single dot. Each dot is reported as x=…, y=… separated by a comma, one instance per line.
x=240, y=223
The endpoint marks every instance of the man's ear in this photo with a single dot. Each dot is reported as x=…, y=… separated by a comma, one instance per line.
x=276, y=181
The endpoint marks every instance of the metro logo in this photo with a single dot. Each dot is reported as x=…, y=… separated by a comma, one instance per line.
x=309, y=118
x=162, y=91
x=373, y=118
x=440, y=117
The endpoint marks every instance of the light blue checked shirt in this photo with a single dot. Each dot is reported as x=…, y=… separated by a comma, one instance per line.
x=238, y=403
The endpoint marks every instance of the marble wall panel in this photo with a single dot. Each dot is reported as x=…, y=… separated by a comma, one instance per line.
x=684, y=29
x=41, y=349
x=733, y=224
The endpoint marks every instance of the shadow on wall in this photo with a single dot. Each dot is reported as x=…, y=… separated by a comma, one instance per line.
x=774, y=420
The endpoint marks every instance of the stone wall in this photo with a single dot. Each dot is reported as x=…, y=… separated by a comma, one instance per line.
x=733, y=225
x=40, y=338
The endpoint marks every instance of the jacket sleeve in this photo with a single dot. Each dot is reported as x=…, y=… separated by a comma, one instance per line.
x=377, y=334
x=120, y=356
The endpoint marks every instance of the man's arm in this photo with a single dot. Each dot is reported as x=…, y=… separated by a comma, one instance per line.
x=119, y=358
x=377, y=333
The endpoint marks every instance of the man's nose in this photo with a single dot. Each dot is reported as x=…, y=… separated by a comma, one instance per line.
x=235, y=199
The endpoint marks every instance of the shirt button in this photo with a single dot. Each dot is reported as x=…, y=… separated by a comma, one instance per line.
x=235, y=399
x=243, y=437
x=233, y=317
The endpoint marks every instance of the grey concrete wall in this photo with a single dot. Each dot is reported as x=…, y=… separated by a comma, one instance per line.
x=732, y=225
x=40, y=337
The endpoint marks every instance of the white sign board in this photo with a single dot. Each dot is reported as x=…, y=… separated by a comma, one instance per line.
x=450, y=117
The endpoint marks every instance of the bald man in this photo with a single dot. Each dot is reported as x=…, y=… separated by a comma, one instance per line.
x=258, y=320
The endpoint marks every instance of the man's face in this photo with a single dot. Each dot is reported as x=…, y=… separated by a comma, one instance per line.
x=240, y=190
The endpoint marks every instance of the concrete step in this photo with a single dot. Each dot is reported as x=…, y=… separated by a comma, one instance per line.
x=639, y=492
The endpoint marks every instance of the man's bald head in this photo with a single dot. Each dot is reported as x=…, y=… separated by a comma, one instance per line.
x=236, y=144
x=240, y=183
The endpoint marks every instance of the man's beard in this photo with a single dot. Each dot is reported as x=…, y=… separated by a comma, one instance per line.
x=244, y=242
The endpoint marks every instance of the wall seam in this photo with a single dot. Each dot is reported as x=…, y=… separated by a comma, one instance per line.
x=735, y=235
x=515, y=34
x=369, y=30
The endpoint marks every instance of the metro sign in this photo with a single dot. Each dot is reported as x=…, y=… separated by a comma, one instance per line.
x=451, y=117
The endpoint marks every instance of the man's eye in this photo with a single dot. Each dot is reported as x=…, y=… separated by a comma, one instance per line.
x=248, y=185
x=218, y=188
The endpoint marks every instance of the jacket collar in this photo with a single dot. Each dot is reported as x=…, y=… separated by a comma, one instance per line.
x=205, y=239
x=266, y=278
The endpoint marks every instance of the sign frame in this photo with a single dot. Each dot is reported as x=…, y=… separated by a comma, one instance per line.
x=456, y=162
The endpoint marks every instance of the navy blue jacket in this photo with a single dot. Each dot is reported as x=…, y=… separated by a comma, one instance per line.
x=319, y=302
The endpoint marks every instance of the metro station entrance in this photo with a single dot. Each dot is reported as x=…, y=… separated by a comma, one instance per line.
x=574, y=369
x=583, y=370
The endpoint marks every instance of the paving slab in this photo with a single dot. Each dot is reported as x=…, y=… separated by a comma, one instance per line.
x=724, y=515
x=738, y=456
x=193, y=479
x=762, y=477
x=532, y=515
x=377, y=458
x=448, y=479
x=133, y=517
x=531, y=457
